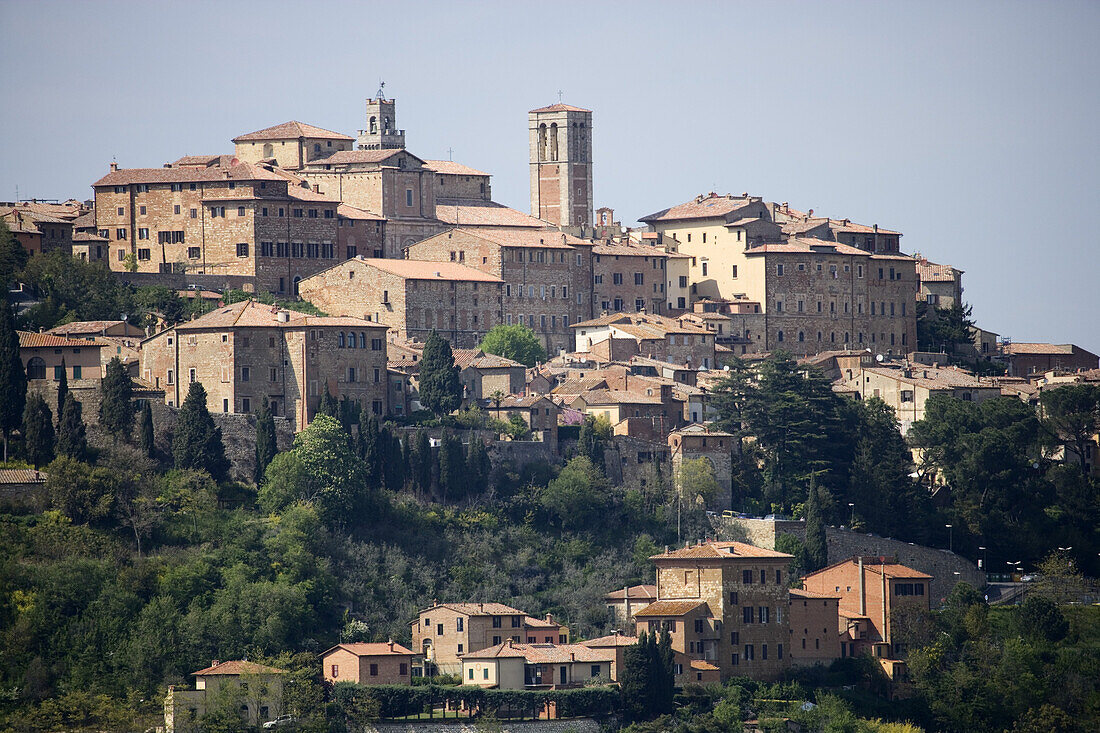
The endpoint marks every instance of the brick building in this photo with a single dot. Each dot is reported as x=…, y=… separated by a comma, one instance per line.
x=290, y=145
x=1032, y=358
x=560, y=154
x=547, y=275
x=814, y=619
x=253, y=222
x=622, y=604
x=446, y=632
x=411, y=297
x=700, y=441
x=359, y=232
x=40, y=227
x=735, y=597
x=248, y=352
x=619, y=336
x=384, y=663
x=628, y=277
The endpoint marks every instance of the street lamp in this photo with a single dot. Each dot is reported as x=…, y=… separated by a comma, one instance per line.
x=950, y=538
x=852, y=518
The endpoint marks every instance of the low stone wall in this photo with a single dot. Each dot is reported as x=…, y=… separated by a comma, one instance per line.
x=578, y=725
x=945, y=567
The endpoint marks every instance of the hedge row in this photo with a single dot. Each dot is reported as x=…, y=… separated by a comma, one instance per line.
x=399, y=701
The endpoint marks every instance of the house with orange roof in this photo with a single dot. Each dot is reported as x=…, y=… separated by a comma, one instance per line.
x=45, y=355
x=383, y=663
x=512, y=665
x=619, y=336
x=411, y=297
x=621, y=604
x=445, y=633
x=253, y=690
x=1026, y=359
x=814, y=619
x=248, y=353
x=290, y=145
x=724, y=603
x=869, y=590
x=686, y=671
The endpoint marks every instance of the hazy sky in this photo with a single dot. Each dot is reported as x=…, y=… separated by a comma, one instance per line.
x=972, y=127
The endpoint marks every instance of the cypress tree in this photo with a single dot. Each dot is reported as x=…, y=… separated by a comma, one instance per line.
x=440, y=390
x=266, y=445
x=477, y=465
x=423, y=462
x=452, y=468
x=116, y=410
x=665, y=678
x=198, y=442
x=406, y=458
x=13, y=380
x=589, y=443
x=72, y=438
x=146, y=436
x=38, y=435
x=62, y=389
x=328, y=406
x=816, y=547
x=634, y=681
x=13, y=258
x=370, y=447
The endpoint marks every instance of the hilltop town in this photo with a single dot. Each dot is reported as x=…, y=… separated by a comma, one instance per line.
x=333, y=340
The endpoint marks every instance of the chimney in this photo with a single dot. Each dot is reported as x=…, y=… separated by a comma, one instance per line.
x=214, y=663
x=114, y=166
x=862, y=594
x=391, y=644
x=316, y=188
x=481, y=607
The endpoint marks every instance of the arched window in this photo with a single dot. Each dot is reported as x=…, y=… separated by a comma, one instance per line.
x=297, y=279
x=373, y=125
x=36, y=368
x=385, y=124
x=317, y=147
x=340, y=339
x=351, y=340
x=269, y=150
x=542, y=141
x=362, y=340
x=780, y=335
x=801, y=337
x=553, y=141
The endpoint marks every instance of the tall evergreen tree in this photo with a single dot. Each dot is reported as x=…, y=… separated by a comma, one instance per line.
x=406, y=458
x=423, y=462
x=146, y=434
x=116, y=408
x=817, y=550
x=13, y=380
x=635, y=683
x=664, y=675
x=589, y=444
x=440, y=390
x=266, y=444
x=393, y=469
x=452, y=468
x=13, y=257
x=62, y=389
x=71, y=434
x=370, y=447
x=38, y=435
x=198, y=441
x=477, y=465
x=328, y=406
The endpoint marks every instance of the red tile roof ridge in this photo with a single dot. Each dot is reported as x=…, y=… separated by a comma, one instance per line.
x=451, y=168
x=238, y=667
x=373, y=649
x=560, y=107
x=720, y=549
x=35, y=340
x=289, y=130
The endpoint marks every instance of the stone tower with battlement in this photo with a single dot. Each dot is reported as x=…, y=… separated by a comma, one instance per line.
x=381, y=132
x=561, y=164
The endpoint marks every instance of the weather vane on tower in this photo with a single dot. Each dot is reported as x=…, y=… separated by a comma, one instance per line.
x=381, y=89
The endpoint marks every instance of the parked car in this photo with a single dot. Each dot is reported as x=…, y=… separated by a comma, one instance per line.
x=283, y=721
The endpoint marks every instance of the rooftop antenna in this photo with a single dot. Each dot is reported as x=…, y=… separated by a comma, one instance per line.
x=381, y=89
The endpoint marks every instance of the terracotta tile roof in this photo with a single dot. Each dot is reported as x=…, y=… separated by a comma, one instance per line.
x=890, y=569
x=618, y=397
x=623, y=249
x=709, y=207
x=544, y=653
x=514, y=401
x=374, y=649
x=720, y=550
x=346, y=157
x=697, y=429
x=308, y=194
x=634, y=591
x=643, y=325
x=238, y=667
x=580, y=385
x=703, y=666
x=203, y=161
x=480, y=360
x=559, y=107
x=250, y=314
x=931, y=272
x=744, y=221
x=799, y=593
x=451, y=168
x=477, y=212
x=34, y=215
x=611, y=640
x=65, y=211
x=672, y=607
x=32, y=340
x=292, y=129
x=1021, y=347
x=931, y=377
x=805, y=245
x=88, y=237
x=520, y=237
x=347, y=211
x=83, y=327
x=84, y=221
x=239, y=172
x=478, y=609
x=540, y=623
x=845, y=225
x=428, y=270
x=21, y=476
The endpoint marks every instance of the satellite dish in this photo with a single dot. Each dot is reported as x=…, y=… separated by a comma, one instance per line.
x=726, y=368
x=878, y=358
x=122, y=316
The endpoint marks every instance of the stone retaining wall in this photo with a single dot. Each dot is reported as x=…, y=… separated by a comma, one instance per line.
x=578, y=725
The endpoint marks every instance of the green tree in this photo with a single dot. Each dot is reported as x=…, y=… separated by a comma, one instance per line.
x=635, y=682
x=1071, y=414
x=13, y=258
x=452, y=468
x=38, y=434
x=1040, y=618
x=423, y=454
x=13, y=380
x=81, y=492
x=328, y=406
x=517, y=342
x=266, y=444
x=198, y=441
x=590, y=441
x=478, y=466
x=696, y=487
x=440, y=389
x=72, y=438
x=393, y=468
x=116, y=407
x=72, y=289
x=577, y=496
x=146, y=435
x=62, y=388
x=329, y=474
x=135, y=490
x=817, y=549
x=370, y=447
x=943, y=329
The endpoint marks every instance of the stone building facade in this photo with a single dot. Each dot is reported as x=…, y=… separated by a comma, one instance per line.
x=744, y=590
x=248, y=353
x=246, y=220
x=696, y=441
x=380, y=663
x=560, y=154
x=411, y=297
x=290, y=145
x=628, y=277
x=547, y=275
x=814, y=619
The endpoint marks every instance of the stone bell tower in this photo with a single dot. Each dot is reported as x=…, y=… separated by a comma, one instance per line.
x=561, y=164
x=381, y=132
